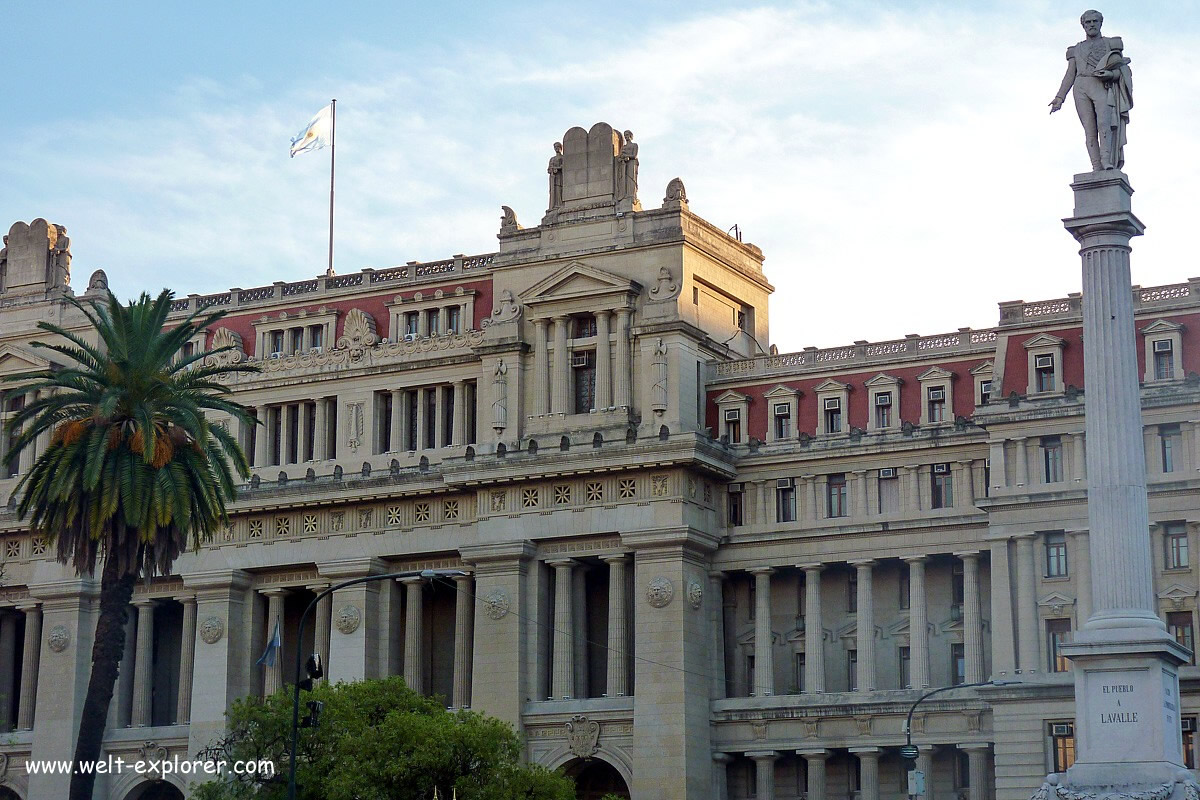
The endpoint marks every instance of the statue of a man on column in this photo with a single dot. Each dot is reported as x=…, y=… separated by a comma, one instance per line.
x=1101, y=84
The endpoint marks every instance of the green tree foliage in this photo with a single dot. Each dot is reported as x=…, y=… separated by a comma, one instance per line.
x=377, y=740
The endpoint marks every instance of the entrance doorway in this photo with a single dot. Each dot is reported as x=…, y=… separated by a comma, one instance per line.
x=594, y=779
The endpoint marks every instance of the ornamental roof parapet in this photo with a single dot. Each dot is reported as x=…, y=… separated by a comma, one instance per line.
x=1070, y=308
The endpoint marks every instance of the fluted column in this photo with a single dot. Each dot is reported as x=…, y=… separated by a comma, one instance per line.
x=910, y=477
x=421, y=440
x=285, y=434
x=541, y=382
x=307, y=434
x=814, y=631
x=560, y=380
x=977, y=769
x=1083, y=576
x=618, y=628
x=811, y=510
x=262, y=438
x=563, y=668
x=143, y=662
x=1078, y=458
x=972, y=620
x=603, y=362
x=8, y=665
x=860, y=508
x=413, y=634
x=439, y=416
x=764, y=660
x=321, y=631
x=321, y=428
x=868, y=765
x=721, y=775
x=187, y=657
x=866, y=626
x=815, y=768
x=273, y=674
x=464, y=620
x=396, y=436
x=716, y=615
x=458, y=436
x=1021, y=457
x=1004, y=651
x=764, y=767
x=918, y=624
x=996, y=469
x=621, y=368
x=1027, y=618
x=30, y=660
x=964, y=484
x=925, y=764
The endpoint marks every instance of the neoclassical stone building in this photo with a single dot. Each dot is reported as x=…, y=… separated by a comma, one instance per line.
x=683, y=565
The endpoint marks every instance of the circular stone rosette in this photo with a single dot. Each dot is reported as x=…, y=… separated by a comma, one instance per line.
x=59, y=638
x=348, y=619
x=660, y=592
x=211, y=630
x=496, y=603
x=695, y=595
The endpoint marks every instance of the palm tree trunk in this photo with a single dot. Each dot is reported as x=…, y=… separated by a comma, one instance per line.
x=115, y=592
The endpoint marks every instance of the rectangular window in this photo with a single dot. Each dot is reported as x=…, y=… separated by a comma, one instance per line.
x=941, y=487
x=958, y=664
x=1179, y=625
x=985, y=392
x=296, y=336
x=433, y=321
x=412, y=323
x=584, y=369
x=316, y=335
x=1175, y=539
x=733, y=425
x=883, y=410
x=905, y=658
x=1169, y=446
x=741, y=320
x=1062, y=745
x=454, y=319
x=905, y=588
x=1043, y=373
x=889, y=491
x=852, y=670
x=785, y=500
x=836, y=496
x=833, y=415
x=735, y=505
x=1058, y=632
x=585, y=326
x=1189, y=741
x=962, y=770
x=1056, y=555
x=1052, y=459
x=1164, y=360
x=276, y=342
x=936, y=397
x=783, y=420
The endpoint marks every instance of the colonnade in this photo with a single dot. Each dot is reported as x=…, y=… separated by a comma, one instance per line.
x=408, y=424
x=293, y=433
x=552, y=362
x=563, y=674
x=24, y=686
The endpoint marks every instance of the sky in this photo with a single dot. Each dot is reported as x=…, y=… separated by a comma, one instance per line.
x=894, y=160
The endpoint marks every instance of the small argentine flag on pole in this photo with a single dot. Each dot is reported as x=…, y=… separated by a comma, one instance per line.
x=321, y=132
x=267, y=659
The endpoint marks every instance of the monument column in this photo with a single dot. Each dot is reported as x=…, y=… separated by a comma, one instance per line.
x=918, y=624
x=764, y=651
x=814, y=761
x=814, y=631
x=866, y=627
x=562, y=685
x=764, y=767
x=560, y=380
x=413, y=632
x=187, y=655
x=30, y=658
x=972, y=619
x=1027, y=618
x=618, y=628
x=143, y=662
x=541, y=384
x=603, y=362
x=868, y=766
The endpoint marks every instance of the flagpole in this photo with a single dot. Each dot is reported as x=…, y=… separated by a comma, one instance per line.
x=332, y=152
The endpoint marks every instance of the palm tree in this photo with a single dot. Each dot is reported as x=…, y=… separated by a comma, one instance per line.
x=133, y=473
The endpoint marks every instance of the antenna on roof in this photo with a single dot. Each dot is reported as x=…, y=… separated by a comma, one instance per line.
x=737, y=232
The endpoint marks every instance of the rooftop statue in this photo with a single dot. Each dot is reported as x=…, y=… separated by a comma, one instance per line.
x=555, y=169
x=1102, y=86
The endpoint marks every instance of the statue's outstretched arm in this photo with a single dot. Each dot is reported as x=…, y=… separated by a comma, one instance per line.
x=1067, y=81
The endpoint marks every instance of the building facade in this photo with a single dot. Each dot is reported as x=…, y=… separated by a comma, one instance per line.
x=683, y=565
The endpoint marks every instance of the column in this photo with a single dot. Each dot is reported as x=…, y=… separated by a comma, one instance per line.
x=285, y=434
x=29, y=665
x=396, y=437
x=123, y=694
x=622, y=366
x=321, y=629
x=603, y=362
x=814, y=631
x=413, y=634
x=911, y=475
x=1022, y=461
x=866, y=627
x=810, y=486
x=764, y=767
x=716, y=612
x=458, y=435
x=273, y=674
x=972, y=621
x=541, y=383
x=187, y=656
x=1027, y=618
x=977, y=771
x=559, y=380
x=407, y=411
x=925, y=764
x=143, y=662
x=306, y=434
x=868, y=761
x=418, y=398
x=721, y=775
x=262, y=438
x=918, y=624
x=321, y=427
x=764, y=661
x=1083, y=576
x=996, y=475
x=464, y=618
x=1003, y=645
x=27, y=456
x=860, y=507
x=439, y=424
x=815, y=767
x=1078, y=458
x=8, y=665
x=563, y=671
x=618, y=629
x=964, y=484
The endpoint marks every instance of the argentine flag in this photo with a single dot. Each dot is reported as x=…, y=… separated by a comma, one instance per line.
x=267, y=659
x=316, y=135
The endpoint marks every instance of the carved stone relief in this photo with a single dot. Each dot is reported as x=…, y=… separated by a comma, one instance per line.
x=660, y=591
x=348, y=619
x=211, y=630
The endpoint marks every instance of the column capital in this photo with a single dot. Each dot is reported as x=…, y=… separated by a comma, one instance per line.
x=561, y=563
x=858, y=472
x=926, y=748
x=814, y=755
x=1017, y=439
x=814, y=566
x=463, y=578
x=722, y=758
x=1080, y=532
x=717, y=574
x=560, y=317
x=409, y=580
x=865, y=751
x=614, y=558
x=966, y=462
x=142, y=601
x=921, y=559
x=318, y=587
x=862, y=564
x=974, y=746
x=185, y=598
x=968, y=554
x=272, y=591
x=762, y=755
x=761, y=570
x=27, y=607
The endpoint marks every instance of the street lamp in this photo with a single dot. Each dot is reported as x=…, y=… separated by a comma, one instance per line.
x=315, y=668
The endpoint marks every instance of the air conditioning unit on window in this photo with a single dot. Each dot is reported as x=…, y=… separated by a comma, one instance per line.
x=937, y=394
x=1044, y=362
x=580, y=359
x=732, y=415
x=784, y=483
x=783, y=410
x=833, y=404
x=1162, y=346
x=887, y=472
x=1188, y=724
x=410, y=337
x=1062, y=729
x=735, y=488
x=318, y=348
x=277, y=354
x=883, y=399
x=941, y=469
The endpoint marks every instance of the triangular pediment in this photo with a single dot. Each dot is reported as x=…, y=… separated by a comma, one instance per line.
x=1177, y=592
x=935, y=373
x=1044, y=340
x=730, y=396
x=830, y=385
x=883, y=379
x=15, y=359
x=1162, y=326
x=847, y=631
x=1056, y=602
x=986, y=368
x=578, y=280
x=781, y=391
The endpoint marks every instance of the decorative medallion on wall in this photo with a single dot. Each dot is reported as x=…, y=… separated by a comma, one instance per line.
x=695, y=595
x=211, y=630
x=583, y=736
x=348, y=618
x=59, y=638
x=660, y=592
x=496, y=603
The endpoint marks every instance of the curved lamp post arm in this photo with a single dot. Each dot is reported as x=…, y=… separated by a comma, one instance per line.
x=932, y=692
